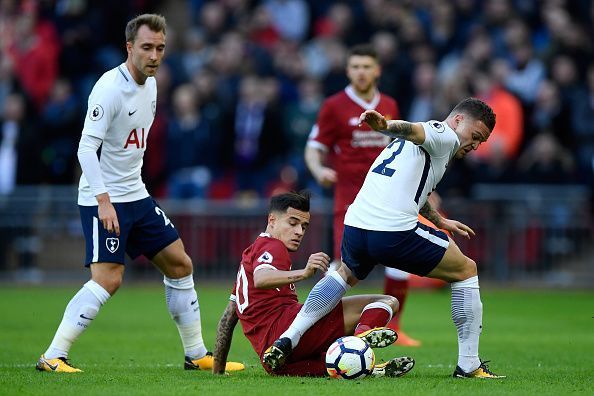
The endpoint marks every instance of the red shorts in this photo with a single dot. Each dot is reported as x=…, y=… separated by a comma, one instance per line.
x=308, y=358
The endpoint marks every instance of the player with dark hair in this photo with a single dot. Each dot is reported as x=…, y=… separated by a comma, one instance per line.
x=381, y=226
x=339, y=152
x=117, y=213
x=265, y=302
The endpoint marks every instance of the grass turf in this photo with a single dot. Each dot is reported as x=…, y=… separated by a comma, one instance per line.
x=542, y=340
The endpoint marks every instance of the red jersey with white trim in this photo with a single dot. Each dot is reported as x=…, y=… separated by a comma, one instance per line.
x=352, y=148
x=259, y=309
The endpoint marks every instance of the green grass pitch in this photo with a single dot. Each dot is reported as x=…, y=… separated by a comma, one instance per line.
x=543, y=341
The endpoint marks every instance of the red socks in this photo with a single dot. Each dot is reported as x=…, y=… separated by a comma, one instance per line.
x=376, y=314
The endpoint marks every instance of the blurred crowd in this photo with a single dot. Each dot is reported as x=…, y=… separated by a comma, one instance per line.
x=242, y=83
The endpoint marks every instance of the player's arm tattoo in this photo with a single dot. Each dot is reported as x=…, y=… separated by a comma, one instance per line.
x=224, y=336
x=398, y=129
x=431, y=214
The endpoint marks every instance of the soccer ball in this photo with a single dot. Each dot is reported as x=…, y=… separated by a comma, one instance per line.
x=349, y=358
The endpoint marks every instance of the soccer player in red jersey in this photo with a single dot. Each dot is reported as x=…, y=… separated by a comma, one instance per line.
x=339, y=153
x=264, y=300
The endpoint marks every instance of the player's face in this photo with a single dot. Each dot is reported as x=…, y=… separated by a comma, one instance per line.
x=288, y=227
x=146, y=52
x=363, y=72
x=471, y=133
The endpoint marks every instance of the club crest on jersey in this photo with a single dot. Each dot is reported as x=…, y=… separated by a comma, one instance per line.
x=354, y=121
x=265, y=258
x=96, y=113
x=112, y=244
x=154, y=107
x=438, y=126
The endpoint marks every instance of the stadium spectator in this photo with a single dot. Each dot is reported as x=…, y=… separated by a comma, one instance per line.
x=34, y=51
x=191, y=146
x=254, y=141
x=19, y=151
x=582, y=127
x=60, y=125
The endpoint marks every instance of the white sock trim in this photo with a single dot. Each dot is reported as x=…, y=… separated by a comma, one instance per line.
x=98, y=291
x=379, y=304
x=470, y=283
x=187, y=282
x=395, y=273
x=342, y=282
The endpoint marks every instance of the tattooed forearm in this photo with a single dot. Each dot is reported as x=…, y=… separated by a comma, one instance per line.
x=398, y=129
x=224, y=336
x=430, y=214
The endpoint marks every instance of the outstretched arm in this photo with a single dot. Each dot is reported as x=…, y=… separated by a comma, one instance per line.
x=224, y=336
x=270, y=278
x=453, y=226
x=411, y=131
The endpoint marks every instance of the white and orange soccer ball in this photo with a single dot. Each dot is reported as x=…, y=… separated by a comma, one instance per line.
x=349, y=358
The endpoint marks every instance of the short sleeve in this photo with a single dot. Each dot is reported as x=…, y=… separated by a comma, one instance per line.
x=323, y=133
x=272, y=255
x=440, y=140
x=103, y=106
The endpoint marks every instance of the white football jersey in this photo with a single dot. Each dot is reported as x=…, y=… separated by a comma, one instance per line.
x=120, y=113
x=400, y=180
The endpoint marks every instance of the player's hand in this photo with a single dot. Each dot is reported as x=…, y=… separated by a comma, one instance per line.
x=374, y=119
x=455, y=227
x=107, y=214
x=326, y=177
x=317, y=262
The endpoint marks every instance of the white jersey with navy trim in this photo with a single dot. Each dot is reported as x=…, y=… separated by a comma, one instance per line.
x=400, y=180
x=120, y=113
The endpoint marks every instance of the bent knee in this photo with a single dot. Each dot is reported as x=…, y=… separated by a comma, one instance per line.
x=393, y=303
x=180, y=267
x=468, y=270
x=111, y=283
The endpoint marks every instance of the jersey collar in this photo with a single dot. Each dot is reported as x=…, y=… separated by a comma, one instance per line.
x=350, y=92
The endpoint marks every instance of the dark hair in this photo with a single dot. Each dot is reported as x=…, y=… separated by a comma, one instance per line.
x=363, y=50
x=478, y=110
x=296, y=200
x=154, y=22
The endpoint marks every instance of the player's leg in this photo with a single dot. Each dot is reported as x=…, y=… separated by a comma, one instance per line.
x=365, y=312
x=338, y=228
x=467, y=309
x=155, y=236
x=105, y=258
x=181, y=297
x=396, y=284
x=366, y=316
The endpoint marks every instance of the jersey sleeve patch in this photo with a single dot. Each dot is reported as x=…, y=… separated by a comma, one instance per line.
x=437, y=126
x=266, y=257
x=96, y=112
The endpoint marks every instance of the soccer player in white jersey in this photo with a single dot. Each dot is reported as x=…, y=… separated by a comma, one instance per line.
x=381, y=226
x=117, y=213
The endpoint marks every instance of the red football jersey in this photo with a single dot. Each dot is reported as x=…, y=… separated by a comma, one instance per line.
x=259, y=309
x=352, y=149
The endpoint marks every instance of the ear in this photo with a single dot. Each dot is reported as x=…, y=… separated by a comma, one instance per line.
x=129, y=47
x=458, y=118
x=271, y=219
